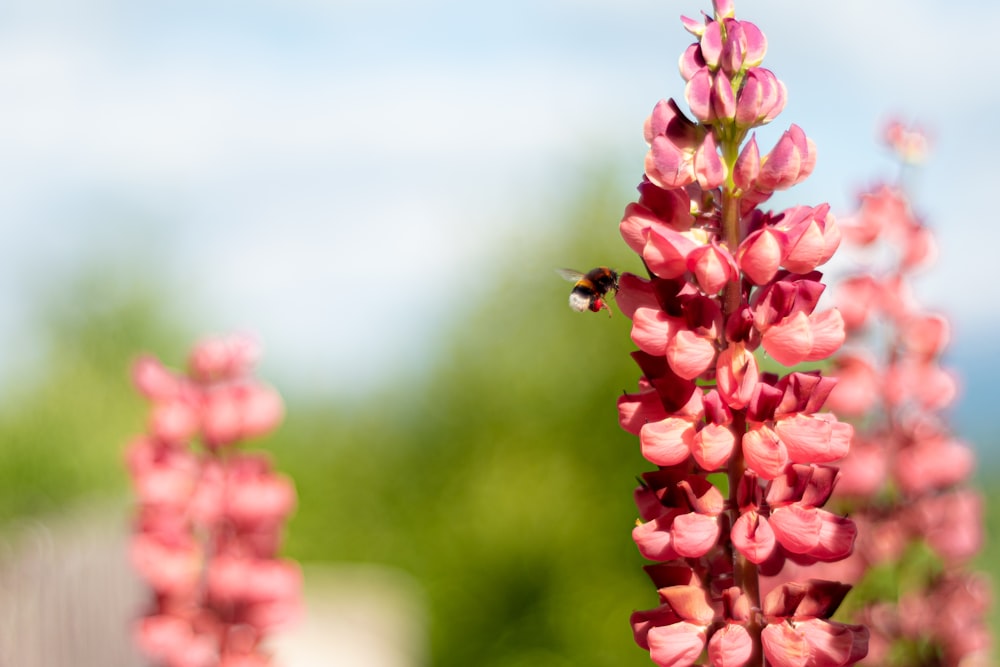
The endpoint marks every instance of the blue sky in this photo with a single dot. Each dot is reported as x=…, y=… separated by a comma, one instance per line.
x=265, y=156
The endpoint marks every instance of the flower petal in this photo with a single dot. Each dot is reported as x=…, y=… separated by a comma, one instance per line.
x=651, y=329
x=784, y=646
x=695, y=534
x=689, y=354
x=730, y=646
x=764, y=452
x=655, y=539
x=666, y=442
x=635, y=410
x=796, y=528
x=676, y=645
x=712, y=446
x=752, y=536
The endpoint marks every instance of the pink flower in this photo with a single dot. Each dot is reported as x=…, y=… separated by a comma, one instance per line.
x=761, y=253
x=761, y=98
x=218, y=359
x=737, y=375
x=932, y=461
x=783, y=426
x=713, y=267
x=883, y=209
x=685, y=524
x=797, y=635
x=790, y=161
x=865, y=468
x=792, y=333
x=857, y=297
x=239, y=411
x=724, y=279
x=746, y=170
x=858, y=386
x=209, y=522
x=675, y=633
x=903, y=479
x=786, y=514
x=909, y=144
x=687, y=343
x=811, y=237
x=673, y=140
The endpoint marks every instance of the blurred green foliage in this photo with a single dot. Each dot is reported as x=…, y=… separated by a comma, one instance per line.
x=64, y=422
x=500, y=480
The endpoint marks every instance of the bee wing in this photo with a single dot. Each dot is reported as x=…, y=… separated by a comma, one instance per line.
x=570, y=274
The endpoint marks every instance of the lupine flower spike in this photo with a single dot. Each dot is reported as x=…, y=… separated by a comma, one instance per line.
x=744, y=457
x=906, y=478
x=210, y=516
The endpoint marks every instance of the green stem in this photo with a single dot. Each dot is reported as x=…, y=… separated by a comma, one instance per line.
x=745, y=573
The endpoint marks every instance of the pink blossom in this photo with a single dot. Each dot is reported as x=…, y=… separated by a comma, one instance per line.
x=688, y=530
x=208, y=524
x=698, y=94
x=747, y=167
x=713, y=446
x=811, y=237
x=724, y=9
x=790, y=161
x=666, y=251
x=882, y=209
x=726, y=278
x=761, y=98
x=686, y=343
x=676, y=632
x=255, y=494
x=712, y=266
x=797, y=635
x=858, y=385
x=737, y=375
x=730, y=646
x=924, y=335
x=951, y=523
x=765, y=453
x=933, y=462
x=634, y=293
x=909, y=144
x=217, y=359
x=239, y=411
x=925, y=383
x=865, y=468
x=903, y=478
x=801, y=337
x=753, y=537
x=710, y=172
x=857, y=297
x=636, y=410
x=673, y=141
x=761, y=254
x=172, y=640
x=667, y=442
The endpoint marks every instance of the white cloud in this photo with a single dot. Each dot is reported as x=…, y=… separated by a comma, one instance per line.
x=280, y=168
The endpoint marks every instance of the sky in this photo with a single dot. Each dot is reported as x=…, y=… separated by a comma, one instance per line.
x=289, y=167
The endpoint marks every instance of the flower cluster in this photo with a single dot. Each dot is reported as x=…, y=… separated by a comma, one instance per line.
x=726, y=279
x=904, y=480
x=210, y=516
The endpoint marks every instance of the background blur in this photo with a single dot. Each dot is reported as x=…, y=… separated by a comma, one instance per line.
x=380, y=191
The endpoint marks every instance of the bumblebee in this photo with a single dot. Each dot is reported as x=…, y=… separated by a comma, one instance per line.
x=590, y=288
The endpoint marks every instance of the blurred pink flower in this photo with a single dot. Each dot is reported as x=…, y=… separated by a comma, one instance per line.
x=904, y=480
x=210, y=516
